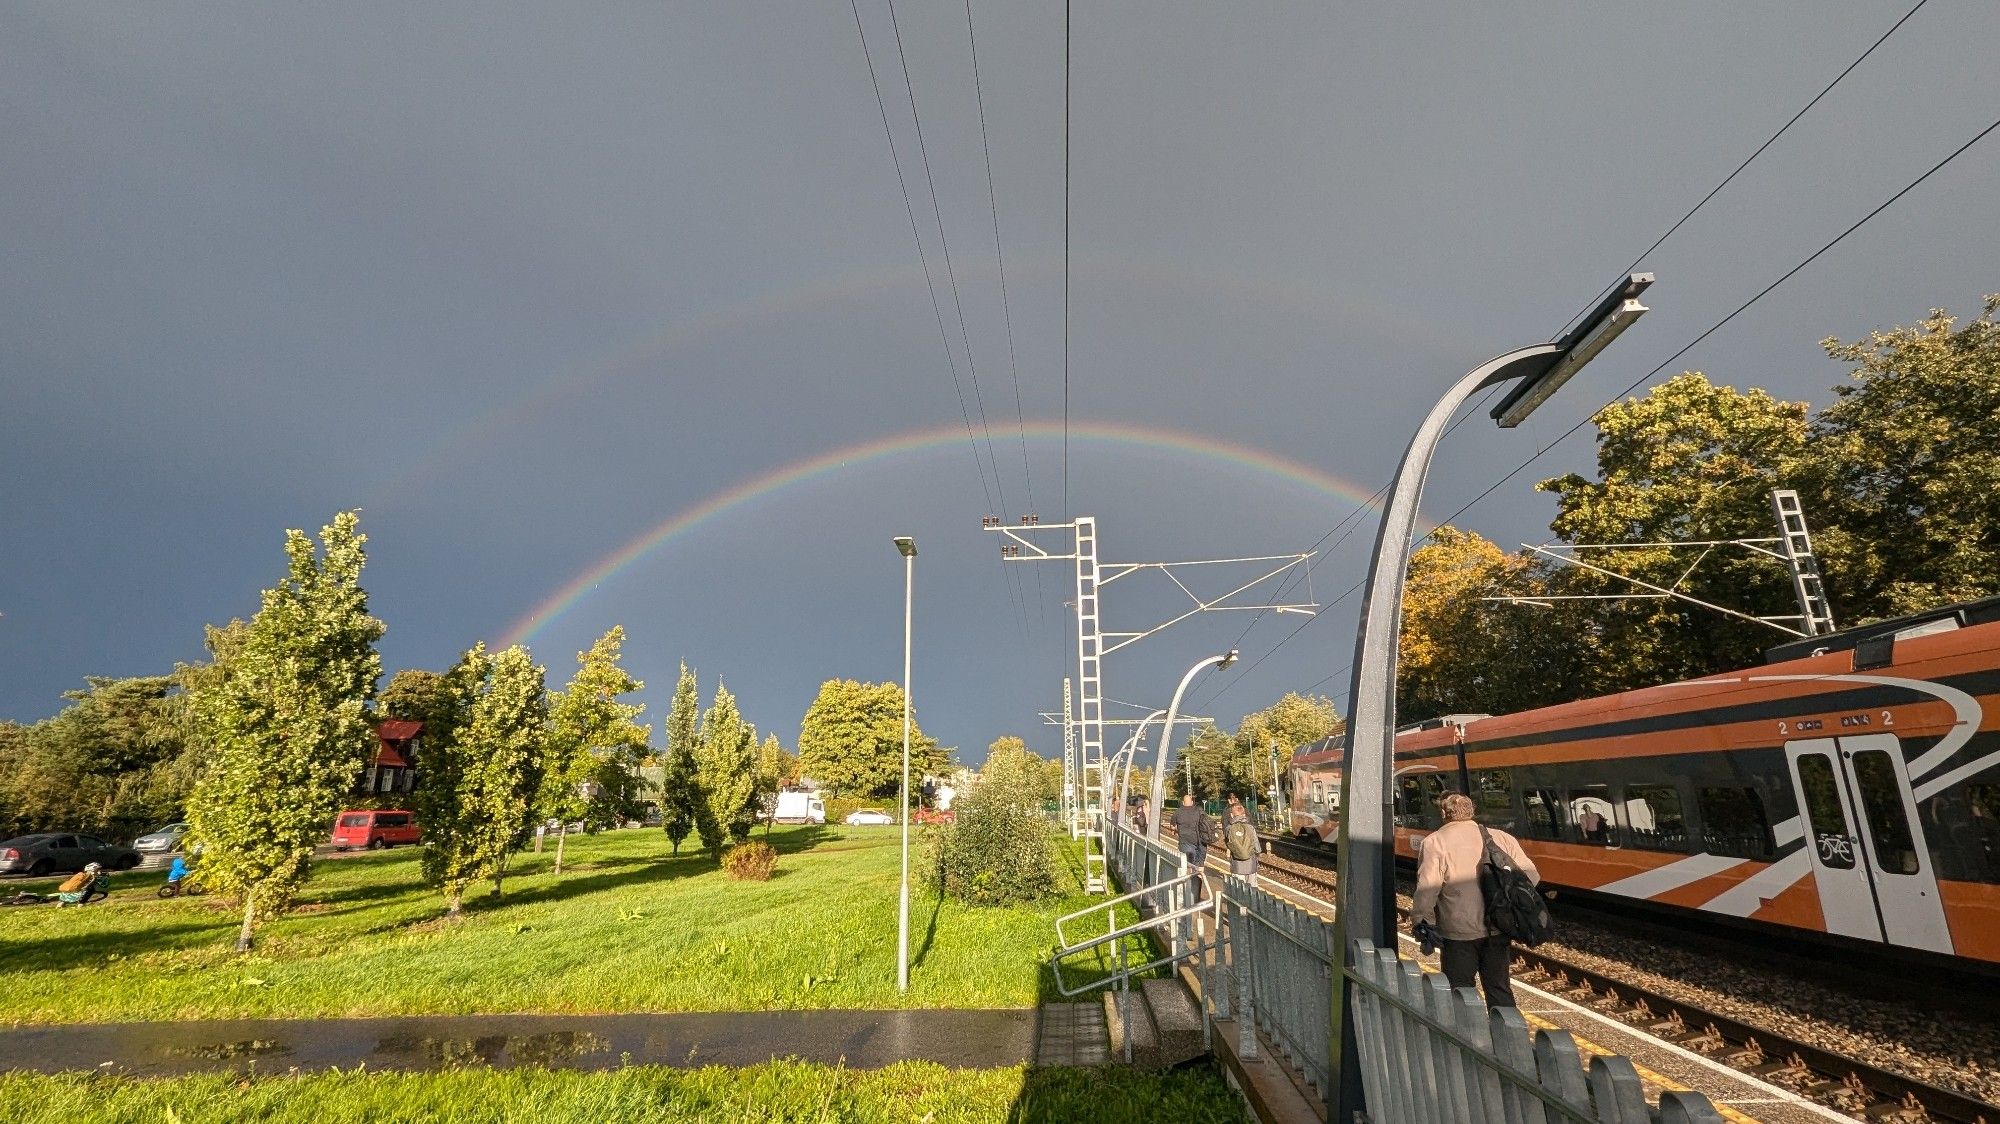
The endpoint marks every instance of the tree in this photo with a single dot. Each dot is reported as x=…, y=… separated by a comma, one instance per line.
x=727, y=769
x=482, y=763
x=775, y=770
x=1690, y=461
x=118, y=760
x=681, y=803
x=286, y=724
x=1902, y=474
x=417, y=695
x=851, y=740
x=593, y=740
x=1294, y=720
x=1010, y=765
x=996, y=848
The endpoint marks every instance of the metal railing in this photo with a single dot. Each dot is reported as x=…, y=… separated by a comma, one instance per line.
x=1430, y=1053
x=1274, y=965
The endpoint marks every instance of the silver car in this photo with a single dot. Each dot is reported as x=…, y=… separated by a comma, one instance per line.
x=165, y=841
x=51, y=853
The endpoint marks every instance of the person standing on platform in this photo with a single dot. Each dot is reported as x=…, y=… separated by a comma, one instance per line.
x=1194, y=829
x=1449, y=897
x=1240, y=836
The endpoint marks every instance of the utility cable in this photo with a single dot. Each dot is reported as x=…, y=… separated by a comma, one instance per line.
x=958, y=305
x=923, y=259
x=1065, y=285
x=1717, y=189
x=1006, y=308
x=1718, y=325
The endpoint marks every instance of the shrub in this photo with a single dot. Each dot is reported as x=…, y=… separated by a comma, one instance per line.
x=750, y=862
x=995, y=850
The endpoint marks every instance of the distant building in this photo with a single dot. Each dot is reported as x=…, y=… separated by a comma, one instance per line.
x=392, y=769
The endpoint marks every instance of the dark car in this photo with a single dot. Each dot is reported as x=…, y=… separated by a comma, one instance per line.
x=52, y=853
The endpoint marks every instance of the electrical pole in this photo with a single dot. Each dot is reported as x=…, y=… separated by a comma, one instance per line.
x=1093, y=643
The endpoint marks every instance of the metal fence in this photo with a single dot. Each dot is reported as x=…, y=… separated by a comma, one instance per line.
x=1274, y=964
x=1429, y=1053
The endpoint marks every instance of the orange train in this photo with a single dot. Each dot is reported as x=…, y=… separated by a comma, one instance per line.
x=1848, y=790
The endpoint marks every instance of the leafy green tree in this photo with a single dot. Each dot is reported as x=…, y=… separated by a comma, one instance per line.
x=483, y=750
x=286, y=724
x=118, y=760
x=727, y=768
x=682, y=805
x=1691, y=461
x=1902, y=475
x=775, y=770
x=1013, y=767
x=996, y=849
x=417, y=695
x=590, y=734
x=851, y=740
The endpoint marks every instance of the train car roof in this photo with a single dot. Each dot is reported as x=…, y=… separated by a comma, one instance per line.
x=1946, y=618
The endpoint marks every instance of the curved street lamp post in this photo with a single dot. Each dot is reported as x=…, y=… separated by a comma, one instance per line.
x=1365, y=907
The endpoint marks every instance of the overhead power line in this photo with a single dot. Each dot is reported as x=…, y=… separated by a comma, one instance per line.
x=1719, y=324
x=1006, y=307
x=923, y=260
x=1769, y=141
x=1065, y=287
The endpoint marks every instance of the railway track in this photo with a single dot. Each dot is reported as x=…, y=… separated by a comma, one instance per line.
x=1845, y=1084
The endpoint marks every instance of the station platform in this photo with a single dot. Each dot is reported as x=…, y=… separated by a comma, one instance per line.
x=1740, y=1097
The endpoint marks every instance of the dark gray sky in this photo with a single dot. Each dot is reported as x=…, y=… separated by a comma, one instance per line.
x=526, y=282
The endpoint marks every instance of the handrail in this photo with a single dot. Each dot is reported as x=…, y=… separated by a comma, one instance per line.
x=1108, y=903
x=1193, y=949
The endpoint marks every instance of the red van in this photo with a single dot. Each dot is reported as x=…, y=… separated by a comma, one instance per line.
x=369, y=828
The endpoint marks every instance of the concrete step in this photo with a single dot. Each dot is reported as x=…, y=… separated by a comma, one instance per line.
x=1070, y=1034
x=1176, y=1020
x=1134, y=1020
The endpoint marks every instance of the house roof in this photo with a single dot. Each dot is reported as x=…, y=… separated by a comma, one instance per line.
x=397, y=729
x=387, y=755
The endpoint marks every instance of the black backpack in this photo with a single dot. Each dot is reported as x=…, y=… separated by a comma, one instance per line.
x=1513, y=905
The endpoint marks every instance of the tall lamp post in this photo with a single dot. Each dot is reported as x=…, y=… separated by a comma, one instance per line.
x=1158, y=807
x=907, y=547
x=1364, y=907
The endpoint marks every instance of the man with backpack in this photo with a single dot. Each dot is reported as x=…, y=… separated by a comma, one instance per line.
x=1240, y=835
x=1477, y=888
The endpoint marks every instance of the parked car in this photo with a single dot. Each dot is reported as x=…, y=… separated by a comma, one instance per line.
x=798, y=807
x=165, y=841
x=875, y=816
x=374, y=829
x=51, y=853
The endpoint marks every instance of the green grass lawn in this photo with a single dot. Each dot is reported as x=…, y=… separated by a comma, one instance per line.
x=779, y=1091
x=625, y=928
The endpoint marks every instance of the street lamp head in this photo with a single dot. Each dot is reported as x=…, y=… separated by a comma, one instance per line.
x=1228, y=658
x=906, y=546
x=1619, y=310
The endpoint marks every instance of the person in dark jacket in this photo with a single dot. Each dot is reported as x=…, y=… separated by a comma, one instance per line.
x=1194, y=829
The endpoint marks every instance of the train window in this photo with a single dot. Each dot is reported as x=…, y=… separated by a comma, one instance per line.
x=1416, y=800
x=1882, y=808
x=1545, y=818
x=1823, y=813
x=1493, y=798
x=1975, y=833
x=1733, y=823
x=1590, y=810
x=1653, y=818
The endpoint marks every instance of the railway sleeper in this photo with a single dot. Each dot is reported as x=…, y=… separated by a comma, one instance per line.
x=1848, y=1094
x=1792, y=1073
x=1909, y=1110
x=1750, y=1057
x=1708, y=1041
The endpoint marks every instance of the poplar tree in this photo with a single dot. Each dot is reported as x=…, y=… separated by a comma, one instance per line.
x=286, y=724
x=589, y=727
x=482, y=770
x=727, y=768
x=681, y=802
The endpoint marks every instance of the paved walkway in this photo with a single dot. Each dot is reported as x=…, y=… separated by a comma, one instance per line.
x=857, y=1039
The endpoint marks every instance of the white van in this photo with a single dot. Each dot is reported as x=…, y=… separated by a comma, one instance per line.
x=799, y=807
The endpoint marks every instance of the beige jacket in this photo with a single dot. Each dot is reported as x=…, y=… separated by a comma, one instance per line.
x=1448, y=879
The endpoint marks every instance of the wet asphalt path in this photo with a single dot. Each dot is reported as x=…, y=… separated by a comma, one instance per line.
x=857, y=1039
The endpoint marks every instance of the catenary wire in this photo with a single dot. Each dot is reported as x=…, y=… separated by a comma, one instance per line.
x=923, y=260
x=1718, y=325
x=1006, y=307
x=1649, y=375
x=1065, y=284
x=958, y=304
x=1771, y=140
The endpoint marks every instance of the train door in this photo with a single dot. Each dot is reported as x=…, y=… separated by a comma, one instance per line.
x=1864, y=841
x=1905, y=881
